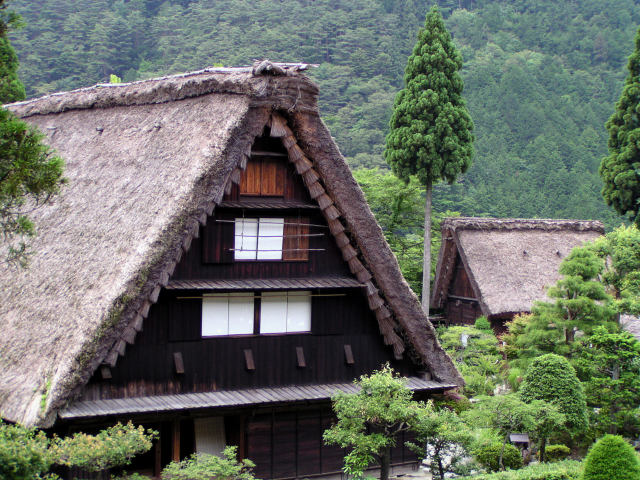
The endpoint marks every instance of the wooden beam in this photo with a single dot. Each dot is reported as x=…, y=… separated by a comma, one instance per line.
x=178, y=362
x=175, y=443
x=300, y=357
x=348, y=355
x=248, y=360
x=157, y=464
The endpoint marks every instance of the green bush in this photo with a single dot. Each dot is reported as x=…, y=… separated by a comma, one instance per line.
x=551, y=378
x=482, y=323
x=23, y=452
x=555, y=453
x=565, y=470
x=203, y=466
x=611, y=458
x=489, y=457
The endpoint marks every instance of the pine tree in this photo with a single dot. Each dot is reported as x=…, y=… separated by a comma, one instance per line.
x=431, y=130
x=11, y=88
x=619, y=170
x=29, y=169
x=551, y=378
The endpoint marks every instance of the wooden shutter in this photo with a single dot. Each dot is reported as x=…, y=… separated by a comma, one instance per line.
x=272, y=177
x=296, y=241
x=264, y=177
x=217, y=241
x=250, y=179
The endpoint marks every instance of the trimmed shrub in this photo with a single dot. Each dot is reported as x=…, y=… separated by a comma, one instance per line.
x=482, y=323
x=551, y=378
x=611, y=458
x=555, y=453
x=489, y=457
x=565, y=470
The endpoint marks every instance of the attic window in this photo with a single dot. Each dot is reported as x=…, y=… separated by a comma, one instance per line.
x=263, y=177
x=250, y=313
x=270, y=238
x=258, y=238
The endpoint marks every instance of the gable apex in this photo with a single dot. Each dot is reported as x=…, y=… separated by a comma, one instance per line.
x=147, y=164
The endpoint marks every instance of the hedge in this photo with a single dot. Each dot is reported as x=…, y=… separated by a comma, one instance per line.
x=565, y=470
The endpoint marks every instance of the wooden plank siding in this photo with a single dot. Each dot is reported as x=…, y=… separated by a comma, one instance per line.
x=461, y=308
x=211, y=257
x=218, y=363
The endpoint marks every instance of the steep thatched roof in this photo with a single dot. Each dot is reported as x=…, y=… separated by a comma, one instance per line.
x=146, y=163
x=509, y=262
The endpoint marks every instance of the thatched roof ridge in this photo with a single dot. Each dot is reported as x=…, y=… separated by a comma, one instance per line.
x=147, y=163
x=509, y=262
x=239, y=81
x=545, y=224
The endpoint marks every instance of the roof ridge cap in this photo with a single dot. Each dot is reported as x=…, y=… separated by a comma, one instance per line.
x=545, y=224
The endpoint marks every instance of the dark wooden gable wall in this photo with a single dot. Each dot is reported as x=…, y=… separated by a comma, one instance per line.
x=170, y=356
x=462, y=306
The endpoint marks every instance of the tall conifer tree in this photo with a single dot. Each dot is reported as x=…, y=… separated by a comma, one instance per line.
x=29, y=169
x=619, y=170
x=11, y=88
x=431, y=130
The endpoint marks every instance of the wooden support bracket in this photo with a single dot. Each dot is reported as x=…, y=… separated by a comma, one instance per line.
x=300, y=357
x=248, y=360
x=348, y=355
x=178, y=362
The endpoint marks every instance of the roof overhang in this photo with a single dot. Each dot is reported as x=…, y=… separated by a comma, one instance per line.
x=226, y=398
x=266, y=284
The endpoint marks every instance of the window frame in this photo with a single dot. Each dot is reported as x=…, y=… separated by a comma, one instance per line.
x=256, y=297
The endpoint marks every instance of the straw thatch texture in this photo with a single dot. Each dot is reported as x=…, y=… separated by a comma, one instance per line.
x=510, y=262
x=146, y=162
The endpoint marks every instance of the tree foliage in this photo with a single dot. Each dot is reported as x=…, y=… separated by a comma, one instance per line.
x=11, y=88
x=620, y=249
x=30, y=173
x=609, y=364
x=619, y=170
x=397, y=207
x=489, y=457
x=551, y=378
x=23, y=452
x=370, y=421
x=205, y=467
x=476, y=355
x=540, y=76
x=26, y=454
x=431, y=130
x=29, y=170
x=611, y=458
x=445, y=440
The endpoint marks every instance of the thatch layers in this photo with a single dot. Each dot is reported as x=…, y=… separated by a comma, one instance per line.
x=510, y=262
x=146, y=163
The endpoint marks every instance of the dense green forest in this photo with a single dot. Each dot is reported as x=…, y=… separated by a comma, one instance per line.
x=541, y=76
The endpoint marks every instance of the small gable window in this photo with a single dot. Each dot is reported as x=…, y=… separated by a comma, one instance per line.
x=258, y=238
x=285, y=312
x=271, y=239
x=264, y=177
x=227, y=314
x=249, y=313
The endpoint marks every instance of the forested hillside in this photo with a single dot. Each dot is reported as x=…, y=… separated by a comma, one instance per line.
x=541, y=76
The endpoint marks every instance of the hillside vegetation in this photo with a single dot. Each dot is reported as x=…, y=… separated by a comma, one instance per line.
x=541, y=76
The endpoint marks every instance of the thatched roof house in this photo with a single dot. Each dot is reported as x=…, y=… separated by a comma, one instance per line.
x=147, y=164
x=499, y=267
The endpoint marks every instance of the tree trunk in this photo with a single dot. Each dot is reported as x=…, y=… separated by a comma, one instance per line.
x=385, y=464
x=426, y=272
x=504, y=444
x=543, y=446
x=615, y=375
